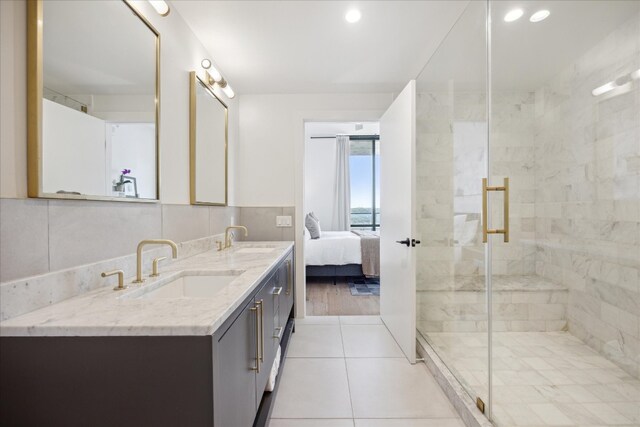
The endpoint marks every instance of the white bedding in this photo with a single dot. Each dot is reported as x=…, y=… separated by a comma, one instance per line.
x=332, y=248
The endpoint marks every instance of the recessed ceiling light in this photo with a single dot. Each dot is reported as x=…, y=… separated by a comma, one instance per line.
x=513, y=15
x=540, y=16
x=206, y=63
x=353, y=16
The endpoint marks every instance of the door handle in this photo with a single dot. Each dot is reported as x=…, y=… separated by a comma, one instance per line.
x=406, y=241
x=485, y=191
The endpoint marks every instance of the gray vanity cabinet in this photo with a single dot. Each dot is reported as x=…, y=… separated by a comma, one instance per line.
x=285, y=275
x=268, y=344
x=245, y=347
x=234, y=364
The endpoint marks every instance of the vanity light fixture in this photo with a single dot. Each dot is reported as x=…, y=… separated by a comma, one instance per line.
x=206, y=63
x=160, y=6
x=353, y=16
x=213, y=78
x=228, y=90
x=600, y=90
x=621, y=84
x=513, y=15
x=540, y=15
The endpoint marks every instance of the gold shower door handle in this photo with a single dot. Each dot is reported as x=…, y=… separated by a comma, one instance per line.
x=485, y=191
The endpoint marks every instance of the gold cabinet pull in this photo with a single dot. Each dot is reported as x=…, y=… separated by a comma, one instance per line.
x=485, y=191
x=277, y=291
x=288, y=277
x=255, y=310
x=261, y=306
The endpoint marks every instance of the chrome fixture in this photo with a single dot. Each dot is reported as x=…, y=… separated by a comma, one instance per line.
x=155, y=266
x=227, y=234
x=142, y=244
x=120, y=274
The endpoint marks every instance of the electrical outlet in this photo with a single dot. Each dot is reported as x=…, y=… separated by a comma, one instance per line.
x=283, y=221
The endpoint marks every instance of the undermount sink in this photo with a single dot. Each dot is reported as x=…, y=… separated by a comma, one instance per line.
x=255, y=250
x=192, y=287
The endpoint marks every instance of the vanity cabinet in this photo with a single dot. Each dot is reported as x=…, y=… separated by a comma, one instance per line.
x=160, y=381
x=245, y=348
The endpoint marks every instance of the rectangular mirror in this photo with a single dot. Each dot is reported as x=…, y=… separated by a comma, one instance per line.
x=208, y=145
x=93, y=91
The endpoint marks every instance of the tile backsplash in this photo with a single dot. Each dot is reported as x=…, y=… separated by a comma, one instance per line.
x=42, y=236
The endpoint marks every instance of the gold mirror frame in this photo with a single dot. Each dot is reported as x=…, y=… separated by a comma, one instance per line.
x=34, y=109
x=194, y=80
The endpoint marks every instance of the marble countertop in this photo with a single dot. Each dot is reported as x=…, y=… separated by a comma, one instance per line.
x=105, y=312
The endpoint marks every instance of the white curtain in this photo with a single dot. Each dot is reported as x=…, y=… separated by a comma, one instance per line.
x=342, y=203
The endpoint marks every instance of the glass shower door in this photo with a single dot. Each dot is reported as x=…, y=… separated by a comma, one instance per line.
x=565, y=131
x=451, y=159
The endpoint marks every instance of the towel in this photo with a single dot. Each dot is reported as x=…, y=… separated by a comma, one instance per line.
x=271, y=383
x=370, y=249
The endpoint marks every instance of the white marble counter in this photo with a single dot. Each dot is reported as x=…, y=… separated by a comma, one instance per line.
x=105, y=312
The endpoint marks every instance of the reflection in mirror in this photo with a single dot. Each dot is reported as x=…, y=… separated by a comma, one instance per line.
x=99, y=102
x=208, y=139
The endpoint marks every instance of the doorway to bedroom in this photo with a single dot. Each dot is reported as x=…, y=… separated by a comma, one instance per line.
x=342, y=218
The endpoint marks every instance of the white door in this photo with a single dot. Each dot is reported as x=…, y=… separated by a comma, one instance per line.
x=397, y=207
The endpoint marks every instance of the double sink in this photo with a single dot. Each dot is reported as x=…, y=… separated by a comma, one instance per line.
x=196, y=285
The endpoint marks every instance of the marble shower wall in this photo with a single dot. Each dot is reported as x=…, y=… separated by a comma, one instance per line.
x=587, y=200
x=451, y=158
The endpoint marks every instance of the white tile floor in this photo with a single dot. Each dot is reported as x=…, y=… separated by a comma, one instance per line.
x=543, y=379
x=347, y=371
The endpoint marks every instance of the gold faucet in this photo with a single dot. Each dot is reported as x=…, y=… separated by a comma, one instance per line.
x=120, y=274
x=174, y=251
x=227, y=234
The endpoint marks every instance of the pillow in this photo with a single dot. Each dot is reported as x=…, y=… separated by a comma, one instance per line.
x=313, y=225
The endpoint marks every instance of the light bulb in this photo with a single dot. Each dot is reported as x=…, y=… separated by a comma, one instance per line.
x=160, y=6
x=540, y=16
x=353, y=16
x=228, y=91
x=513, y=15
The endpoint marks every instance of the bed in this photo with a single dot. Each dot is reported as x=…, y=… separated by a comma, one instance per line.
x=340, y=254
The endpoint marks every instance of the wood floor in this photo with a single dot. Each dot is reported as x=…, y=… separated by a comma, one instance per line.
x=325, y=299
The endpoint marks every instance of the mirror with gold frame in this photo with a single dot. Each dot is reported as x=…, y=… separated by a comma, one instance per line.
x=93, y=101
x=208, y=134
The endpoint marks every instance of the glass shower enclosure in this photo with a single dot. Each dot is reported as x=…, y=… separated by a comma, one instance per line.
x=528, y=170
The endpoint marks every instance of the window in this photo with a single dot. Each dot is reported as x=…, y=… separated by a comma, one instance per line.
x=364, y=164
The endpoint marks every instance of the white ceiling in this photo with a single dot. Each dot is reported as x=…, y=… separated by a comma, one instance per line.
x=524, y=55
x=308, y=47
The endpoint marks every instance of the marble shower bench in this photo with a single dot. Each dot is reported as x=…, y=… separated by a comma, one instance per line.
x=520, y=304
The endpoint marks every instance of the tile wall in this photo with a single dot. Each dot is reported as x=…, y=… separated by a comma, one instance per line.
x=588, y=195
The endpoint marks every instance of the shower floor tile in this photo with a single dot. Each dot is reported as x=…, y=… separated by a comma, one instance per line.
x=542, y=378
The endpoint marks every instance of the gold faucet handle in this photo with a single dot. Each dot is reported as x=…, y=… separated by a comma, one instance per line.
x=219, y=245
x=155, y=266
x=120, y=274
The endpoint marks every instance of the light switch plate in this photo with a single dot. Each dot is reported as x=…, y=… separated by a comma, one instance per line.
x=283, y=221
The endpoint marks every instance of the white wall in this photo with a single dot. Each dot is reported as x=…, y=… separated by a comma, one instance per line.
x=132, y=146
x=320, y=166
x=181, y=52
x=73, y=150
x=270, y=128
